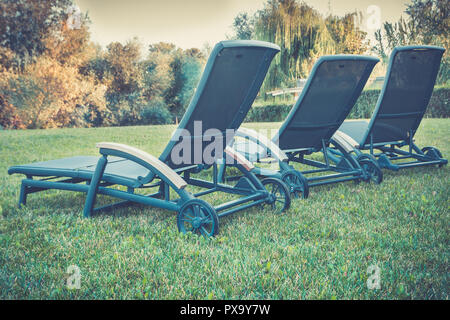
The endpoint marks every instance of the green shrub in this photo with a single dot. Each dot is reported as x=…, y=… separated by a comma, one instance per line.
x=365, y=104
x=156, y=113
x=439, y=107
x=268, y=112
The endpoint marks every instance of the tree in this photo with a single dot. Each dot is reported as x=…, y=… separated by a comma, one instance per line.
x=48, y=94
x=243, y=26
x=301, y=33
x=427, y=23
x=123, y=64
x=348, y=37
x=69, y=45
x=24, y=24
x=186, y=69
x=431, y=17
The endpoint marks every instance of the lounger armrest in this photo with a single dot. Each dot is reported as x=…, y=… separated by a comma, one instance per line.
x=162, y=169
x=239, y=158
x=252, y=135
x=339, y=134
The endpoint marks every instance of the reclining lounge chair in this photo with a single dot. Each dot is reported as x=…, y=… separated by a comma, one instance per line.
x=402, y=103
x=229, y=84
x=332, y=89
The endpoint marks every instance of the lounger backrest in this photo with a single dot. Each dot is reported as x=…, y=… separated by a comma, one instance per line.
x=407, y=89
x=332, y=89
x=230, y=82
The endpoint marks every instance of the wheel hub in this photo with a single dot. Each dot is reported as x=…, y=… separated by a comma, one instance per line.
x=196, y=222
x=272, y=198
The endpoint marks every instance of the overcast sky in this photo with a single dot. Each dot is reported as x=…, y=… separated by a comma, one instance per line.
x=191, y=23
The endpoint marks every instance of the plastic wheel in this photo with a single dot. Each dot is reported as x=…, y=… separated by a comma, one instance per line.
x=366, y=156
x=198, y=216
x=296, y=183
x=433, y=153
x=372, y=169
x=279, y=198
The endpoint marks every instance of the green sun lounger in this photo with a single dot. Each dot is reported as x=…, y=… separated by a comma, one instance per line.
x=331, y=91
x=402, y=103
x=229, y=84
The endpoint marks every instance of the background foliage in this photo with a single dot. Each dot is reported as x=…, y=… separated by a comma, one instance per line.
x=53, y=75
x=439, y=107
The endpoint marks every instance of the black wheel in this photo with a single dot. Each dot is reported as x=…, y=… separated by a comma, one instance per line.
x=296, y=182
x=199, y=217
x=365, y=156
x=433, y=153
x=279, y=198
x=372, y=170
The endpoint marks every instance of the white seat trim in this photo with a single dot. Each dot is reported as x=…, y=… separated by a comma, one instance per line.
x=347, y=138
x=239, y=158
x=264, y=141
x=168, y=172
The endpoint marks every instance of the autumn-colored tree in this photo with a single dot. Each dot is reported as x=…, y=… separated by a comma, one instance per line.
x=69, y=45
x=48, y=94
x=40, y=83
x=25, y=23
x=123, y=62
x=348, y=38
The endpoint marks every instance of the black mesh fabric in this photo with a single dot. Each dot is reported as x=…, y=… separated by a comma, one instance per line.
x=408, y=91
x=231, y=87
x=335, y=86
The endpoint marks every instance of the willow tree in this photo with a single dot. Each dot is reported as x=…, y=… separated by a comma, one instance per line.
x=302, y=35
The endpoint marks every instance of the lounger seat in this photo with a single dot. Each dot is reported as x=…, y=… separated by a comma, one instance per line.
x=83, y=167
x=355, y=128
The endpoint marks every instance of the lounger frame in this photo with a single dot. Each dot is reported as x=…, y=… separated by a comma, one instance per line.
x=162, y=179
x=340, y=162
x=388, y=151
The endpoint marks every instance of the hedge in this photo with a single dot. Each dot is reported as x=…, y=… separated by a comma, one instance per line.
x=439, y=107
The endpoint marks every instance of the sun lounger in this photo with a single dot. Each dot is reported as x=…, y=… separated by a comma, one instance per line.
x=402, y=103
x=331, y=91
x=226, y=91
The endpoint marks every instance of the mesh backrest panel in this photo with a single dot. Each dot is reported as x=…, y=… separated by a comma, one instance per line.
x=406, y=95
x=228, y=88
x=229, y=83
x=332, y=92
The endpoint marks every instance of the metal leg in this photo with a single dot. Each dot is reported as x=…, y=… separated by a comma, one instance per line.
x=23, y=195
x=93, y=188
x=221, y=173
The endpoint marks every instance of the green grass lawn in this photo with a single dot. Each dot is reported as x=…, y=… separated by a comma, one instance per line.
x=321, y=248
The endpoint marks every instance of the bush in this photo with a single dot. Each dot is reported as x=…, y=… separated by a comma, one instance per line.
x=439, y=107
x=156, y=113
x=47, y=94
x=269, y=112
